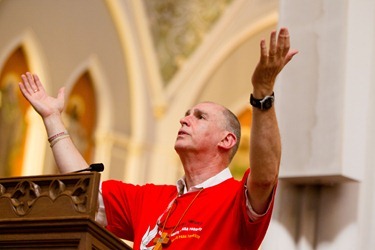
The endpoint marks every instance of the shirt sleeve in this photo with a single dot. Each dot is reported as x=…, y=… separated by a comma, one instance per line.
x=100, y=215
x=120, y=201
x=254, y=216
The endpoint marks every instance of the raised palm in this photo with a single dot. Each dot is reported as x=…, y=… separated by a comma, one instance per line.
x=33, y=90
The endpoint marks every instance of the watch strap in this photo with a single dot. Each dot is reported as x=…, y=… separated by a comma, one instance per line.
x=263, y=104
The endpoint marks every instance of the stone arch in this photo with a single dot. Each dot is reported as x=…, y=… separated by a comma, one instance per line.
x=90, y=71
x=33, y=157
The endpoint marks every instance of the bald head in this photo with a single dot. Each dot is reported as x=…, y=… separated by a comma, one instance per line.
x=231, y=124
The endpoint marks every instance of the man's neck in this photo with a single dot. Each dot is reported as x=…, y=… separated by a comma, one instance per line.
x=198, y=170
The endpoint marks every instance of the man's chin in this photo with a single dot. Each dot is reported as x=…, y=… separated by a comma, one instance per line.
x=179, y=147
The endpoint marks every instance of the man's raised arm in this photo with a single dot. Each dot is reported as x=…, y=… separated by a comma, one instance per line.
x=67, y=157
x=265, y=145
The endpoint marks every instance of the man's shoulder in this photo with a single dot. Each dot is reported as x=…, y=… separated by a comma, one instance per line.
x=117, y=184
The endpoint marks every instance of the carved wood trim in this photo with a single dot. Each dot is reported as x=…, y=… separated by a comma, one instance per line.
x=69, y=195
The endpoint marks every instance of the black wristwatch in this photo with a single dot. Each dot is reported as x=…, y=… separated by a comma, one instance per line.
x=262, y=104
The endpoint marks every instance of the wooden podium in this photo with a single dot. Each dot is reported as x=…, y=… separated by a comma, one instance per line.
x=53, y=212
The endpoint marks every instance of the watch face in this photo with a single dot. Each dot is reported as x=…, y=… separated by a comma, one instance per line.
x=263, y=104
x=267, y=102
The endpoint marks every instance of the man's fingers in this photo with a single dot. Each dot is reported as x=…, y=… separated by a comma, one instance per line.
x=61, y=93
x=38, y=83
x=33, y=85
x=290, y=56
x=26, y=84
x=273, y=46
x=263, y=51
x=283, y=42
x=24, y=91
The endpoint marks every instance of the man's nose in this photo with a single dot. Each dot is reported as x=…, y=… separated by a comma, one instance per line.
x=185, y=121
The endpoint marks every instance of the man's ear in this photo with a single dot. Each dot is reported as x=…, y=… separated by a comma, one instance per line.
x=228, y=141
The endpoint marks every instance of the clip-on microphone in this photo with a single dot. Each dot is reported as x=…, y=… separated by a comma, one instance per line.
x=95, y=167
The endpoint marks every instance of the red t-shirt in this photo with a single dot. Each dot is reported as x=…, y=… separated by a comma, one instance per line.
x=217, y=219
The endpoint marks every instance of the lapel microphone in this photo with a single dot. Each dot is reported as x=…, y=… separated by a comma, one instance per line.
x=95, y=167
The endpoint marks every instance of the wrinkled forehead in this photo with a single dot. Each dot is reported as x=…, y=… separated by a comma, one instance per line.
x=210, y=108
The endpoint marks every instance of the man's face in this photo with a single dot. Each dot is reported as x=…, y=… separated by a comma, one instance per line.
x=202, y=128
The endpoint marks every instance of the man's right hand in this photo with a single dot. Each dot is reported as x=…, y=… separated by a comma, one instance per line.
x=33, y=90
